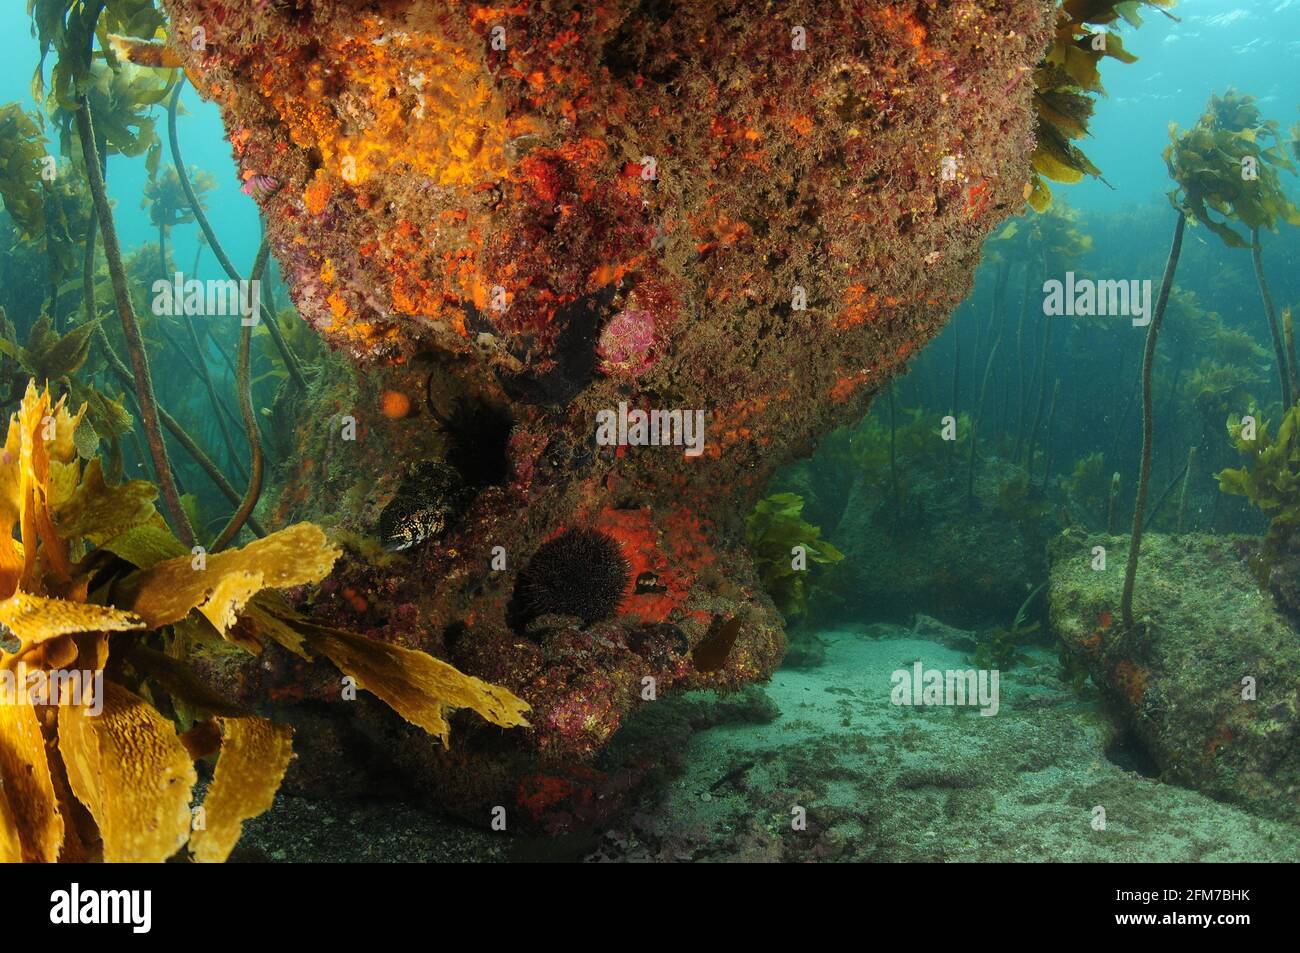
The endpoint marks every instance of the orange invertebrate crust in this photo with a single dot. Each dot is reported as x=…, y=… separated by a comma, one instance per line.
x=1132, y=681
x=394, y=404
x=673, y=554
x=489, y=187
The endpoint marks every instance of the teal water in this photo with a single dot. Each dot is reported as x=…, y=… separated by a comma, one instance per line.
x=233, y=214
x=1056, y=403
x=1250, y=44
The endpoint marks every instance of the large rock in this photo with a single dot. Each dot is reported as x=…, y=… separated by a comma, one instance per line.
x=532, y=213
x=1209, y=635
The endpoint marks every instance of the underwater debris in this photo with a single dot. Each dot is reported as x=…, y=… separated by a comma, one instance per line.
x=430, y=497
x=581, y=573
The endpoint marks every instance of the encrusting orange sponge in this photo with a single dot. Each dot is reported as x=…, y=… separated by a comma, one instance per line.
x=394, y=404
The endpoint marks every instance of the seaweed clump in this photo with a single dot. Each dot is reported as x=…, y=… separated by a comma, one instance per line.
x=1226, y=169
x=1271, y=482
x=1000, y=648
x=783, y=544
x=580, y=573
x=1227, y=164
x=1065, y=84
x=100, y=605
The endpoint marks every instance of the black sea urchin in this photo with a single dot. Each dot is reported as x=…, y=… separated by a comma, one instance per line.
x=582, y=573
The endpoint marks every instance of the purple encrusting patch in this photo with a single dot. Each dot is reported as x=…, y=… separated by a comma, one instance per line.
x=626, y=346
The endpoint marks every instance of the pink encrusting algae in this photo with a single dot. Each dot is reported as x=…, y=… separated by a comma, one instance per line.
x=626, y=347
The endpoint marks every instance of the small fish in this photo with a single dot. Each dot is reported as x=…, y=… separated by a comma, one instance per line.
x=734, y=776
x=648, y=582
x=426, y=502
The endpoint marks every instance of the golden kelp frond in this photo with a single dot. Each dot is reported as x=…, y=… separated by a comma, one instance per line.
x=57, y=653
x=169, y=591
x=35, y=619
x=1065, y=84
x=419, y=687
x=1108, y=11
x=229, y=595
x=11, y=492
x=25, y=787
x=64, y=481
x=1069, y=112
x=41, y=432
x=11, y=563
x=11, y=848
x=267, y=613
x=44, y=426
x=98, y=512
x=254, y=755
x=130, y=770
x=127, y=766
x=63, y=447
x=146, y=545
x=1038, y=194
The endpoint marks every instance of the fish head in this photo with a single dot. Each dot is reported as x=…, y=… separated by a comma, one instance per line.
x=400, y=526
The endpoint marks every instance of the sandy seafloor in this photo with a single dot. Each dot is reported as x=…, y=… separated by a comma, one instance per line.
x=878, y=782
